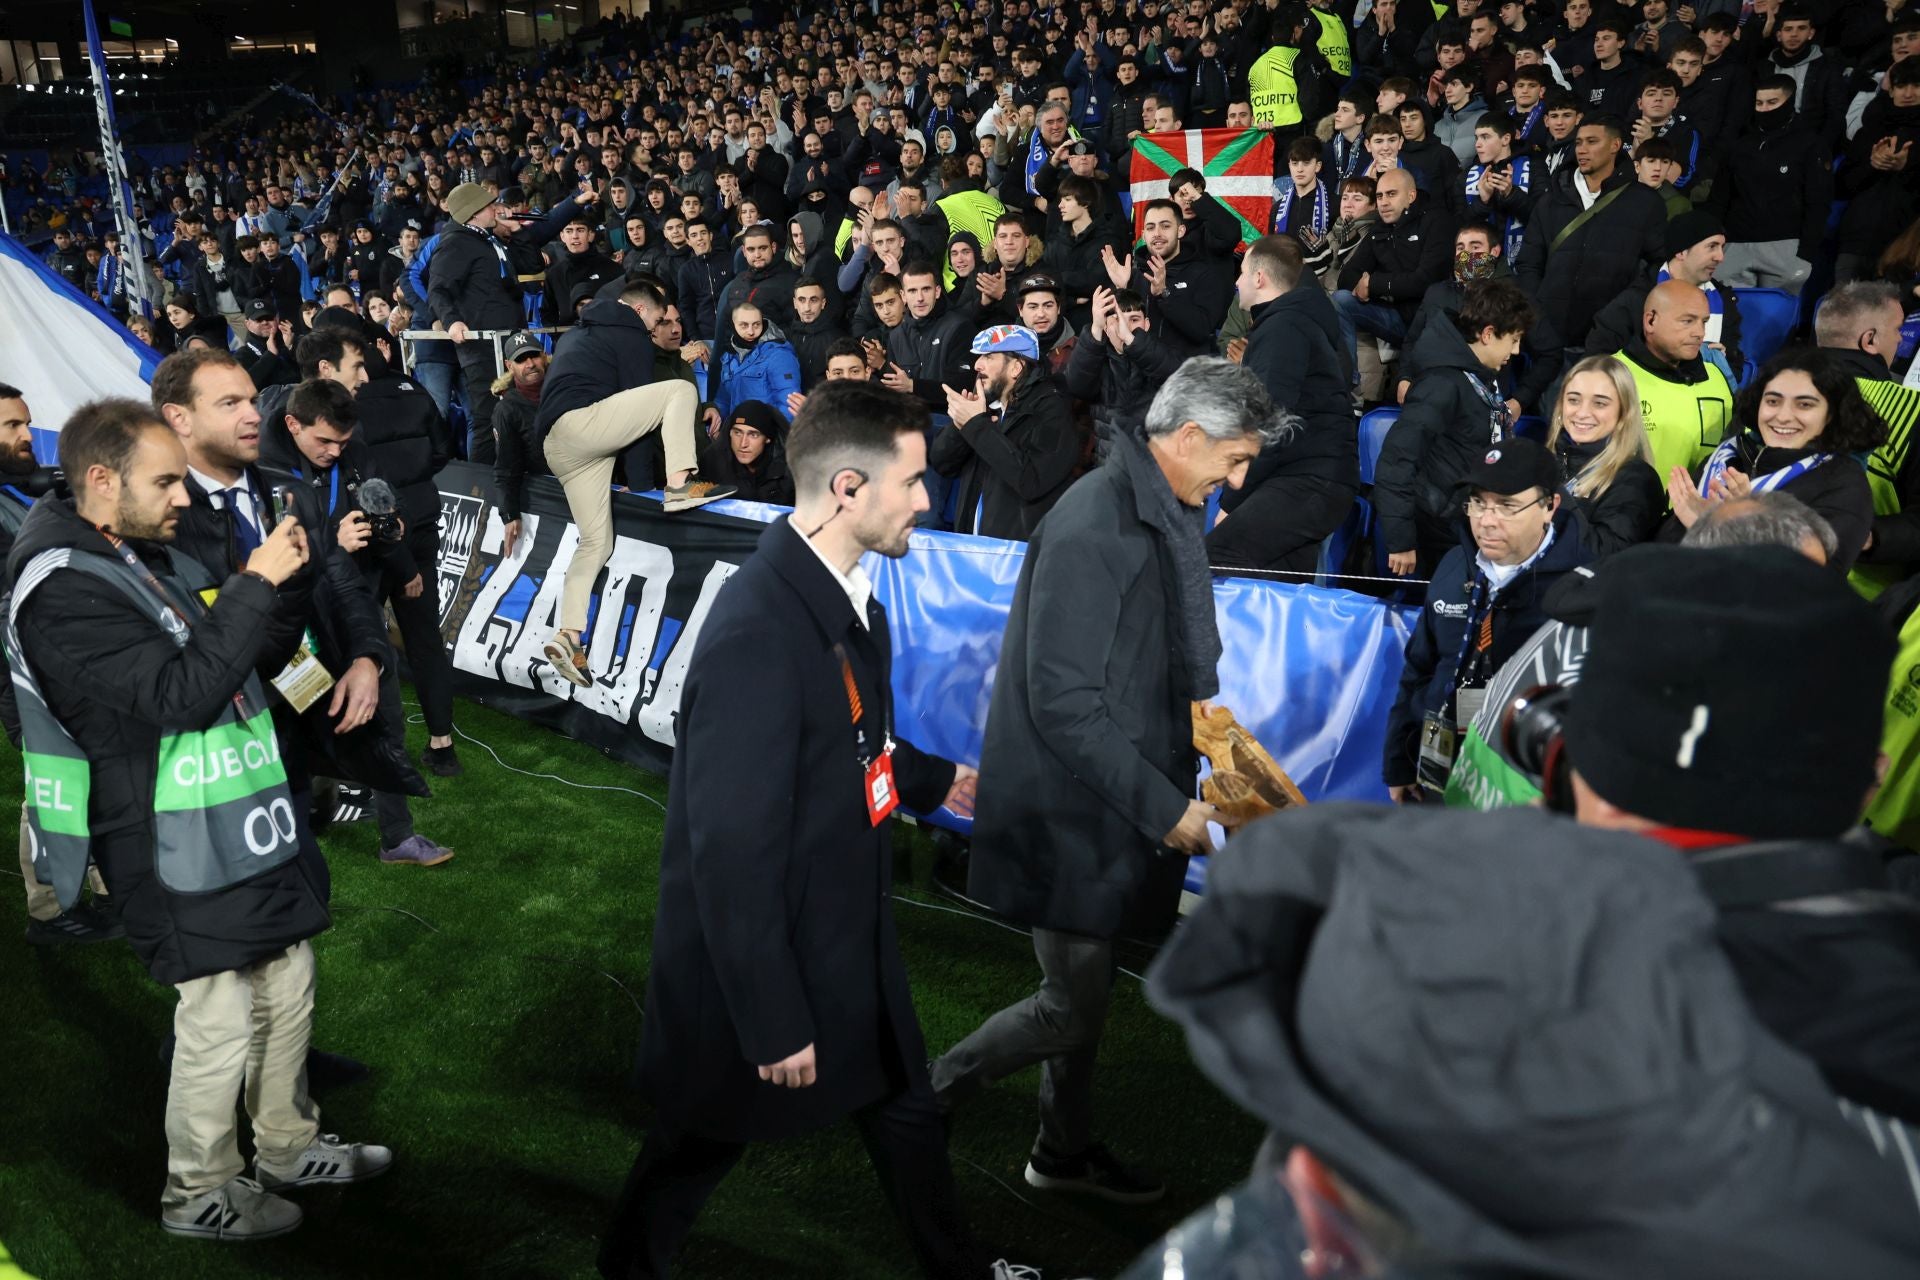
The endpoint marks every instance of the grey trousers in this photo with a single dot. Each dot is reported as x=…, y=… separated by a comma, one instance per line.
x=1059, y=1025
x=1764, y=264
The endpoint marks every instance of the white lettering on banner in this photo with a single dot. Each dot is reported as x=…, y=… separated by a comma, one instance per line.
x=509, y=649
x=657, y=717
x=269, y=826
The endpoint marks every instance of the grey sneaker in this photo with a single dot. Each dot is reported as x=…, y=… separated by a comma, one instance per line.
x=695, y=493
x=416, y=850
x=328, y=1162
x=240, y=1210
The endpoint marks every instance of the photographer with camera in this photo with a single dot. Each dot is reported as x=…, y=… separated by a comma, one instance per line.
x=133, y=688
x=1487, y=597
x=22, y=480
x=314, y=444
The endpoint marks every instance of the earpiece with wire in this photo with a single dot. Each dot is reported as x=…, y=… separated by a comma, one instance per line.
x=850, y=491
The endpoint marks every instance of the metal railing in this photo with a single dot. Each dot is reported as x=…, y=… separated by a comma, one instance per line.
x=497, y=338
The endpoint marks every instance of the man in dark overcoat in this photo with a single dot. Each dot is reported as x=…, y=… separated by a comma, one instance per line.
x=777, y=1002
x=1087, y=810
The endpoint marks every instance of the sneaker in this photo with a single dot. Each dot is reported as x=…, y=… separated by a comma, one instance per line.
x=1094, y=1172
x=442, y=762
x=695, y=493
x=351, y=804
x=416, y=851
x=85, y=923
x=240, y=1210
x=330, y=1161
x=569, y=659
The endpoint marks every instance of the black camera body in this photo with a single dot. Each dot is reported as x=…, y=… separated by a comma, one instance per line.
x=42, y=481
x=1533, y=734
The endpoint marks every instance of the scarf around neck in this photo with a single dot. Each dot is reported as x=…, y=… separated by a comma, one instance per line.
x=1182, y=529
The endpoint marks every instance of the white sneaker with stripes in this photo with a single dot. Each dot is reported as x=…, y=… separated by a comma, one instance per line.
x=328, y=1162
x=240, y=1210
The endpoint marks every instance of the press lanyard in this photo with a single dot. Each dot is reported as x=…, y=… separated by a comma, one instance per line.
x=856, y=711
x=1479, y=637
x=153, y=584
x=333, y=494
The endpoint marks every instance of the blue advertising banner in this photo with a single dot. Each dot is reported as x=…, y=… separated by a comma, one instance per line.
x=1312, y=672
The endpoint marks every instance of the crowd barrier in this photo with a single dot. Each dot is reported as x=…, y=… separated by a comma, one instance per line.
x=1311, y=671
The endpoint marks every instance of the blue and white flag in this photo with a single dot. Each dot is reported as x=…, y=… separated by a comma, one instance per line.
x=139, y=284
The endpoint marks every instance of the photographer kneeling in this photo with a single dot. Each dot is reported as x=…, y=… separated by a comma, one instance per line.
x=136, y=694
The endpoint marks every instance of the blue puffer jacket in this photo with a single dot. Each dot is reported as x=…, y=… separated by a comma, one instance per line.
x=769, y=373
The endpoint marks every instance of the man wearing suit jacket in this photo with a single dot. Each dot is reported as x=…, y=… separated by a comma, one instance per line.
x=777, y=1000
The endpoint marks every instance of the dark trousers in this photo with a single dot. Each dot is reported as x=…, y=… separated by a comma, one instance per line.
x=1058, y=1025
x=906, y=1139
x=476, y=383
x=419, y=621
x=1281, y=524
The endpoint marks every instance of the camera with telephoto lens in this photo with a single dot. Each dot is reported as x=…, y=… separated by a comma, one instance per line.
x=42, y=481
x=1533, y=735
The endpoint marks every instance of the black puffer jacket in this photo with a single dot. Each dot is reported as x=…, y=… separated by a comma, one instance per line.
x=468, y=282
x=1532, y=373
x=1291, y=351
x=1445, y=425
x=611, y=351
x=1776, y=184
x=519, y=453
x=1403, y=259
x=1837, y=489
x=407, y=443
x=1601, y=257
x=114, y=679
x=1625, y=513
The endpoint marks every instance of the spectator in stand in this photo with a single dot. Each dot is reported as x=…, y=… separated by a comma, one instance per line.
x=1589, y=234
x=519, y=453
x=1382, y=283
x=1695, y=247
x=1803, y=427
x=1453, y=414
x=1010, y=443
x=1612, y=81
x=1819, y=96
x=267, y=350
x=751, y=455
x=1774, y=192
x=1658, y=104
x=1302, y=485
x=767, y=282
x=1499, y=184
x=579, y=262
x=756, y=363
x=1859, y=325
x=1187, y=291
x=474, y=287
x=703, y=278
x=1606, y=462
x=1530, y=375
x=1119, y=362
x=1880, y=180
x=1486, y=597
x=813, y=330
x=218, y=287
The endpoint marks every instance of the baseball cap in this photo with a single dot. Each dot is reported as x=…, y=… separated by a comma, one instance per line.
x=261, y=309
x=1012, y=339
x=521, y=344
x=1513, y=466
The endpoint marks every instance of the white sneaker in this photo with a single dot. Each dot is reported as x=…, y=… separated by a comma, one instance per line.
x=240, y=1210
x=1004, y=1270
x=328, y=1162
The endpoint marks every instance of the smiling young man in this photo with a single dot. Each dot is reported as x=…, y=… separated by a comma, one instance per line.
x=1087, y=809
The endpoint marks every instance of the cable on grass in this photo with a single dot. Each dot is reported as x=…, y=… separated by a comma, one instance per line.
x=458, y=732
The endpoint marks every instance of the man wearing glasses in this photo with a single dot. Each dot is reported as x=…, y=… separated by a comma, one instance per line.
x=1485, y=599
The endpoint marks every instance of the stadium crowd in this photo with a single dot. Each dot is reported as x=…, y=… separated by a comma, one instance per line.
x=1536, y=289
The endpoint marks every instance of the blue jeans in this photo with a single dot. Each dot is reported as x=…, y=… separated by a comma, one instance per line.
x=437, y=380
x=1377, y=318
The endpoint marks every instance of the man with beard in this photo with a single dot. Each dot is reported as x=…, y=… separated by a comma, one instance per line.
x=1011, y=445
x=518, y=443
x=1187, y=291
x=767, y=282
x=101, y=602
x=46, y=923
x=772, y=1011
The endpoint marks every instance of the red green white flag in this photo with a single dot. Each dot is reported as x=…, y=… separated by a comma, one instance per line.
x=1238, y=164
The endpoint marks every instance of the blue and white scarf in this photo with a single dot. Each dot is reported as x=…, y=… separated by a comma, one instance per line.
x=1283, y=196
x=1723, y=455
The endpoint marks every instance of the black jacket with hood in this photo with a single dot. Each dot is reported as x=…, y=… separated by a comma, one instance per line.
x=114, y=679
x=609, y=352
x=1532, y=373
x=1571, y=280
x=1403, y=259
x=702, y=281
x=1625, y=513
x=1547, y=1005
x=1291, y=351
x=768, y=479
x=1776, y=183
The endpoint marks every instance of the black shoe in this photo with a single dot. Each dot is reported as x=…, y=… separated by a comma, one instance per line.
x=85, y=923
x=333, y=1070
x=1094, y=1172
x=442, y=762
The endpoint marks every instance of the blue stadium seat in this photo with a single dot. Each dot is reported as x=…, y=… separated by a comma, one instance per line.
x=1374, y=426
x=1766, y=320
x=1532, y=427
x=1339, y=543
